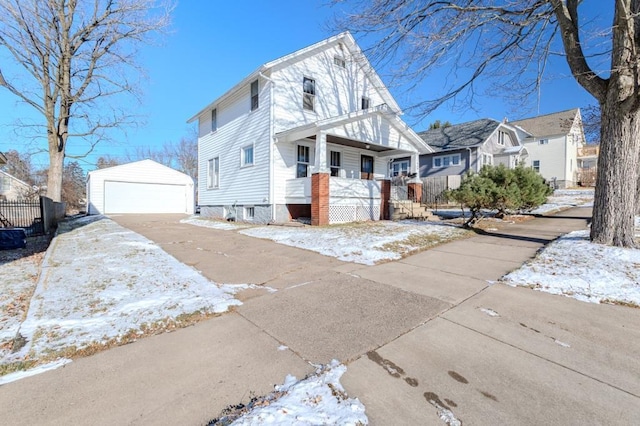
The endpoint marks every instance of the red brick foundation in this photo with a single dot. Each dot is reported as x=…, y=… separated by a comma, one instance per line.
x=415, y=191
x=385, y=195
x=320, y=199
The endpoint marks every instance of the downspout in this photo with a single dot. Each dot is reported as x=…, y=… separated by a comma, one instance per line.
x=272, y=141
x=469, y=164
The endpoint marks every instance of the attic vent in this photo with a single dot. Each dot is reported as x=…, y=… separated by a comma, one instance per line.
x=339, y=61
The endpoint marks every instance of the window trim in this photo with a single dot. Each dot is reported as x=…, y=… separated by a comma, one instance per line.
x=489, y=156
x=308, y=95
x=255, y=97
x=214, y=120
x=502, y=137
x=243, y=162
x=451, y=158
x=399, y=163
x=245, y=213
x=369, y=175
x=298, y=162
x=331, y=166
x=364, y=99
x=213, y=175
x=534, y=166
x=543, y=142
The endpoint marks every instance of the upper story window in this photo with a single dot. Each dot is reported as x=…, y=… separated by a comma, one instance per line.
x=365, y=103
x=247, y=156
x=536, y=165
x=254, y=96
x=502, y=136
x=214, y=120
x=543, y=141
x=446, y=160
x=339, y=61
x=308, y=93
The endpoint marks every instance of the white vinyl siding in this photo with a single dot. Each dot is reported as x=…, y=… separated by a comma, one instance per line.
x=237, y=128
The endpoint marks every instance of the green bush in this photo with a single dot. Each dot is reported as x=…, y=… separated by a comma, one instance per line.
x=501, y=189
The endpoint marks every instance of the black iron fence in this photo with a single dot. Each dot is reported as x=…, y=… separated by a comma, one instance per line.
x=23, y=214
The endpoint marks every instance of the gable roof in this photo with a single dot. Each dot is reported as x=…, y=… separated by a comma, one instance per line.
x=3, y=159
x=557, y=123
x=464, y=135
x=347, y=41
x=19, y=181
x=147, y=163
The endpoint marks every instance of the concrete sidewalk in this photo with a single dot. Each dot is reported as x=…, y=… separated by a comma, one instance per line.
x=416, y=335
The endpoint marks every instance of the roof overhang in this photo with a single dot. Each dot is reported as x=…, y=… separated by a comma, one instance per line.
x=3, y=159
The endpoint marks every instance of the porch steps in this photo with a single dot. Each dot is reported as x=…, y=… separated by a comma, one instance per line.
x=406, y=209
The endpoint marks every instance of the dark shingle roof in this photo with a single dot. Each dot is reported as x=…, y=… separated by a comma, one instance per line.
x=472, y=133
x=557, y=123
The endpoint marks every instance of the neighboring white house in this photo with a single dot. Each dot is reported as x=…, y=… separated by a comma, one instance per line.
x=311, y=134
x=553, y=145
x=13, y=189
x=140, y=187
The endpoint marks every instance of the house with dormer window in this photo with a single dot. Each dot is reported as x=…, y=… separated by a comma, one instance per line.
x=313, y=134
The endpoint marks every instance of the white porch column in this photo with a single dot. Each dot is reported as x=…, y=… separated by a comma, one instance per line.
x=320, y=164
x=415, y=164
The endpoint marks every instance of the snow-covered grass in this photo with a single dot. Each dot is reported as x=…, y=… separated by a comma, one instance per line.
x=317, y=400
x=101, y=285
x=562, y=199
x=575, y=267
x=363, y=242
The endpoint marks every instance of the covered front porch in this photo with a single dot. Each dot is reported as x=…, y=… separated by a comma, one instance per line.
x=342, y=166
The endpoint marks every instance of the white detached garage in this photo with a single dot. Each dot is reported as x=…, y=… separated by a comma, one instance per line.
x=140, y=187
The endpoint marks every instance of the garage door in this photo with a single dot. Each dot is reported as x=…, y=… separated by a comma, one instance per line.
x=131, y=197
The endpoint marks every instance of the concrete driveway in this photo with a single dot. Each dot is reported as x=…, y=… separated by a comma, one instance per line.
x=426, y=338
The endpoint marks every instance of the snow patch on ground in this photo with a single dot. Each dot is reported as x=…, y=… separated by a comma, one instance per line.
x=317, y=400
x=573, y=266
x=100, y=282
x=8, y=378
x=366, y=243
x=213, y=223
x=563, y=199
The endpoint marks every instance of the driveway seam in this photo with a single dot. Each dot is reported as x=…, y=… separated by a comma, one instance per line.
x=542, y=358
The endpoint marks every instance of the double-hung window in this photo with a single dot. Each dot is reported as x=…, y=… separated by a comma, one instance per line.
x=254, y=96
x=308, y=93
x=487, y=159
x=536, y=165
x=214, y=120
x=247, y=156
x=501, y=137
x=399, y=168
x=543, y=141
x=302, y=168
x=335, y=163
x=365, y=103
x=213, y=173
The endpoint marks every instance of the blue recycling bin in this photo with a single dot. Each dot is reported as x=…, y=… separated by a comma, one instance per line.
x=12, y=238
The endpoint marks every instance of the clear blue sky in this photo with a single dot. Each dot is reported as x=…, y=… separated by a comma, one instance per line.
x=213, y=45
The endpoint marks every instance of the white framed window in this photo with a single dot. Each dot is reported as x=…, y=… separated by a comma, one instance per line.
x=535, y=164
x=249, y=213
x=255, y=101
x=335, y=162
x=308, y=93
x=365, y=103
x=247, y=156
x=214, y=120
x=487, y=159
x=502, y=136
x=543, y=142
x=302, y=166
x=339, y=61
x=399, y=168
x=213, y=173
x=446, y=160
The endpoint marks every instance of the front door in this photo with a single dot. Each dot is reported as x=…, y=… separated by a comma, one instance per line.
x=366, y=167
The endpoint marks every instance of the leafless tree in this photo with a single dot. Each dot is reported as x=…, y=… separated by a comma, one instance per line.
x=509, y=42
x=106, y=161
x=182, y=156
x=77, y=55
x=19, y=166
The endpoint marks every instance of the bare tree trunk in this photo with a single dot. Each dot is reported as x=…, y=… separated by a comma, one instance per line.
x=54, y=176
x=615, y=202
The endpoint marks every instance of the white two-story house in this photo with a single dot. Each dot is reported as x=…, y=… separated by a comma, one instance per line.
x=312, y=134
x=554, y=143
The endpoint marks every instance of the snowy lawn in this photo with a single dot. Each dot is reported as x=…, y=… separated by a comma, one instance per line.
x=103, y=285
x=319, y=399
x=563, y=199
x=574, y=267
x=363, y=242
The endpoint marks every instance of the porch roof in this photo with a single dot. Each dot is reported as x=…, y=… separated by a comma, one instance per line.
x=310, y=130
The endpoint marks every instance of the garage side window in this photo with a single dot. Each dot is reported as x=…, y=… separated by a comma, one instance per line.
x=213, y=173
